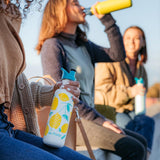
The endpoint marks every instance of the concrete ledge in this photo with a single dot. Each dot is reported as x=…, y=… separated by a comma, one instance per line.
x=98, y=153
x=155, y=153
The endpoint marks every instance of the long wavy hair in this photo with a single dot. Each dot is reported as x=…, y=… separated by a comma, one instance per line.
x=14, y=7
x=143, y=51
x=54, y=21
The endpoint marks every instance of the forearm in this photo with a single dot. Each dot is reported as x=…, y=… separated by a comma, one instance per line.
x=42, y=94
x=90, y=113
x=116, y=51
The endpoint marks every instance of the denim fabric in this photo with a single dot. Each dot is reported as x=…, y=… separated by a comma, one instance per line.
x=143, y=125
x=140, y=124
x=122, y=119
x=19, y=145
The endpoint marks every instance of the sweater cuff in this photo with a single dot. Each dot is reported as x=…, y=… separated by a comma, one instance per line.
x=46, y=95
x=108, y=21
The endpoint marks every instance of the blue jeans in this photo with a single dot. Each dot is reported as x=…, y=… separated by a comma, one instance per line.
x=19, y=145
x=122, y=119
x=141, y=124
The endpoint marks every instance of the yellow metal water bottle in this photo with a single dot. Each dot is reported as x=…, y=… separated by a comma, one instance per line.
x=109, y=6
x=60, y=113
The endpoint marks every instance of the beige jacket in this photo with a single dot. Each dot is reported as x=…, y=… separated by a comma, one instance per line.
x=113, y=83
x=26, y=98
x=12, y=61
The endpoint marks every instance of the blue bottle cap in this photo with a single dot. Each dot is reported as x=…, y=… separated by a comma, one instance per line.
x=139, y=80
x=68, y=75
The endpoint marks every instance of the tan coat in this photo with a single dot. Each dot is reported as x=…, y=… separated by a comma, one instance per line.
x=113, y=83
x=12, y=61
x=19, y=97
x=26, y=98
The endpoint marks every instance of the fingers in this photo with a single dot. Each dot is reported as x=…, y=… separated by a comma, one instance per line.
x=99, y=16
x=118, y=129
x=94, y=9
x=57, y=86
x=74, y=83
x=73, y=88
x=138, y=90
x=70, y=86
x=115, y=129
x=75, y=100
x=110, y=125
x=141, y=90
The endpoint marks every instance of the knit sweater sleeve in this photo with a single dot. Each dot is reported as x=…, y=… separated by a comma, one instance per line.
x=116, y=51
x=42, y=94
x=90, y=113
x=52, y=58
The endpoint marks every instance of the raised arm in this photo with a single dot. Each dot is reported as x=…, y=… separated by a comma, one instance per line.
x=116, y=51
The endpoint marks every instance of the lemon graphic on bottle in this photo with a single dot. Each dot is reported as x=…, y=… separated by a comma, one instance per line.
x=64, y=128
x=55, y=120
x=54, y=103
x=46, y=130
x=60, y=112
x=63, y=97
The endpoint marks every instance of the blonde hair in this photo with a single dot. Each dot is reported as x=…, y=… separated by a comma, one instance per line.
x=53, y=22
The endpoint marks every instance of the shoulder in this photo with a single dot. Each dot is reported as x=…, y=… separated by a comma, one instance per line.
x=107, y=67
x=109, y=64
x=89, y=43
x=54, y=42
x=51, y=46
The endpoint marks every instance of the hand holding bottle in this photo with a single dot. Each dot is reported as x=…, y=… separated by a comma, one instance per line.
x=99, y=16
x=108, y=6
x=63, y=101
x=138, y=89
x=70, y=86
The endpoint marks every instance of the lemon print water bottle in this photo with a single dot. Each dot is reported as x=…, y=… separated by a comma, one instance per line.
x=140, y=105
x=108, y=6
x=60, y=113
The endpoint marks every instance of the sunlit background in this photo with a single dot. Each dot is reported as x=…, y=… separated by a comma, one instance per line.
x=144, y=13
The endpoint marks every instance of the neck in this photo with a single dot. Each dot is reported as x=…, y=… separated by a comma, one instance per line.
x=70, y=28
x=132, y=61
x=132, y=57
x=132, y=65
